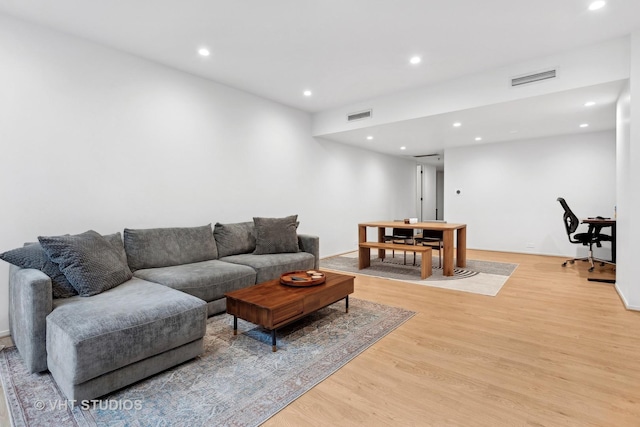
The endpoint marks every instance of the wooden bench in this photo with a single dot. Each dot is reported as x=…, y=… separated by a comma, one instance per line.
x=364, y=254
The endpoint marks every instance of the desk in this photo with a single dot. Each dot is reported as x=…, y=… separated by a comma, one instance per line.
x=605, y=222
x=447, y=234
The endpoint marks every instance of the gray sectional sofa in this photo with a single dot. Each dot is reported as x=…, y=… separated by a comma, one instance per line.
x=142, y=303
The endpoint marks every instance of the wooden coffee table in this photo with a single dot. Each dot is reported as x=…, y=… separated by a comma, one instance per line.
x=273, y=305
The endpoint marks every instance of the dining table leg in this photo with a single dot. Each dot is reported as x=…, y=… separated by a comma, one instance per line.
x=461, y=246
x=447, y=259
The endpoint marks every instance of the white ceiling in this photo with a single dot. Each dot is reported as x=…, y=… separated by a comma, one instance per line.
x=559, y=113
x=346, y=51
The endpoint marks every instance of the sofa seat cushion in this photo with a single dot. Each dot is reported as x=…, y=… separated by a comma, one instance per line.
x=271, y=266
x=90, y=336
x=207, y=280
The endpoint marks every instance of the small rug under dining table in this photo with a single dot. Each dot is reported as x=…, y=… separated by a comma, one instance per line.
x=238, y=381
x=478, y=277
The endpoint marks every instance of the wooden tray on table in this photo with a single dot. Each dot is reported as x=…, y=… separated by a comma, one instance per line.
x=303, y=278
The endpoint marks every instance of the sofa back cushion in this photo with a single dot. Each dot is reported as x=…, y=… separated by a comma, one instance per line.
x=234, y=239
x=164, y=247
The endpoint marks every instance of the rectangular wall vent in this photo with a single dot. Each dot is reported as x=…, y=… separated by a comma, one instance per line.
x=359, y=115
x=531, y=78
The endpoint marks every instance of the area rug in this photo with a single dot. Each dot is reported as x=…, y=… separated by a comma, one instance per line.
x=238, y=381
x=479, y=277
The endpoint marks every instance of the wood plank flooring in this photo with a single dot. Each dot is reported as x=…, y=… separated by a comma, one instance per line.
x=551, y=349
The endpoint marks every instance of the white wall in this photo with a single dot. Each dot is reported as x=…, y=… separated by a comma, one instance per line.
x=92, y=138
x=508, y=190
x=628, y=169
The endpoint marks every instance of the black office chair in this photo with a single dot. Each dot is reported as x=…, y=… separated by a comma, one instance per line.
x=591, y=237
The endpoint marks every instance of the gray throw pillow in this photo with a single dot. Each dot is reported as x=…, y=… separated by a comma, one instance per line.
x=33, y=256
x=233, y=239
x=89, y=261
x=164, y=247
x=276, y=235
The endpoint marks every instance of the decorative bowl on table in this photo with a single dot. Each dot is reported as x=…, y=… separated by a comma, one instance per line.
x=303, y=278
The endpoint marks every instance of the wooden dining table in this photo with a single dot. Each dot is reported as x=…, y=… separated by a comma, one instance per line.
x=448, y=240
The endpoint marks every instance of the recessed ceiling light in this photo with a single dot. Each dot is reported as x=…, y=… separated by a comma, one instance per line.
x=415, y=60
x=599, y=4
x=478, y=138
x=584, y=125
x=203, y=51
x=369, y=137
x=457, y=124
x=403, y=148
x=307, y=93
x=589, y=104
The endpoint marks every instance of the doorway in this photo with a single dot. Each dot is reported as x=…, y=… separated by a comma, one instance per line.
x=430, y=192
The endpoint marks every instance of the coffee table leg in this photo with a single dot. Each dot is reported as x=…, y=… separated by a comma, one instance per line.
x=346, y=303
x=235, y=325
x=273, y=340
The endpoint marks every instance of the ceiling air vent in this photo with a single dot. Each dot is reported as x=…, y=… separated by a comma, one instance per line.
x=426, y=155
x=535, y=77
x=359, y=115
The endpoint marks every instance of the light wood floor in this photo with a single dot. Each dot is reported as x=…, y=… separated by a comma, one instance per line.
x=551, y=349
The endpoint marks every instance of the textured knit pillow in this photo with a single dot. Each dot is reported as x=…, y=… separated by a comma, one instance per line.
x=33, y=256
x=233, y=239
x=276, y=235
x=89, y=261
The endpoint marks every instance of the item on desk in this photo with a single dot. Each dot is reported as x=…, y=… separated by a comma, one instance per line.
x=413, y=220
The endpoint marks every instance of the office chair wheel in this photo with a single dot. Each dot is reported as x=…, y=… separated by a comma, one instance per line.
x=602, y=264
x=591, y=270
x=564, y=264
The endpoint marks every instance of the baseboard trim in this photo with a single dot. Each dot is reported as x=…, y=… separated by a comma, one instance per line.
x=624, y=300
x=338, y=254
x=4, y=334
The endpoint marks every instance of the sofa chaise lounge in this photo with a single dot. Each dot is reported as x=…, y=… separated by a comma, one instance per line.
x=168, y=281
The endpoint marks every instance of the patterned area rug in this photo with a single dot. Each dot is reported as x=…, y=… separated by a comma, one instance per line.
x=479, y=277
x=238, y=381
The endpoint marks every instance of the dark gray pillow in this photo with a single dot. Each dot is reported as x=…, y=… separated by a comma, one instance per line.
x=33, y=256
x=89, y=261
x=233, y=239
x=276, y=235
x=164, y=247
